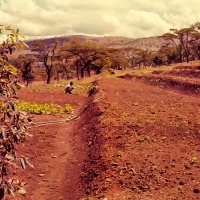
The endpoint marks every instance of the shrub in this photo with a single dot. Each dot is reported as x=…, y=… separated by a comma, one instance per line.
x=92, y=90
x=13, y=130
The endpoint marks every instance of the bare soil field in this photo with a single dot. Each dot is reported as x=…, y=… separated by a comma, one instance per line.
x=136, y=140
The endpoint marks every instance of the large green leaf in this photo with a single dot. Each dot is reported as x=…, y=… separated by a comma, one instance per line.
x=23, y=163
x=11, y=69
x=29, y=163
x=22, y=191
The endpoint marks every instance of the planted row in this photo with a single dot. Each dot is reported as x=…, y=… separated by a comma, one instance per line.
x=36, y=108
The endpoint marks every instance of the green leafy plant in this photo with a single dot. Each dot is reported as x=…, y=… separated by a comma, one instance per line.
x=92, y=90
x=193, y=160
x=13, y=130
x=35, y=108
x=142, y=138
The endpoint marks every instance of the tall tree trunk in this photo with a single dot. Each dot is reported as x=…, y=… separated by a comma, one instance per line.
x=198, y=56
x=82, y=72
x=88, y=70
x=187, y=57
x=77, y=72
x=180, y=57
x=66, y=72
x=48, y=76
x=58, y=76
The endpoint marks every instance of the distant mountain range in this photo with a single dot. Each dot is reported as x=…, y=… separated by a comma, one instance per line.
x=151, y=43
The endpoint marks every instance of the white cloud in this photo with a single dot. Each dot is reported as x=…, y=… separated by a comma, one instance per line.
x=130, y=18
x=149, y=23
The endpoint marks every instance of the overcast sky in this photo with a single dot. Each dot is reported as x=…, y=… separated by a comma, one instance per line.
x=128, y=18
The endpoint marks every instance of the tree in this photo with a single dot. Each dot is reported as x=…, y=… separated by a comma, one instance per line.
x=195, y=51
x=187, y=41
x=63, y=60
x=144, y=56
x=100, y=64
x=85, y=56
x=130, y=56
x=165, y=55
x=46, y=55
x=117, y=58
x=13, y=130
x=24, y=64
x=174, y=39
x=182, y=39
x=195, y=43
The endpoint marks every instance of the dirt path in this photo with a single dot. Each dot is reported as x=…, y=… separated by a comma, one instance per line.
x=57, y=159
x=56, y=151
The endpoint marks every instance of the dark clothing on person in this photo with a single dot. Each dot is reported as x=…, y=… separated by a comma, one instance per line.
x=69, y=88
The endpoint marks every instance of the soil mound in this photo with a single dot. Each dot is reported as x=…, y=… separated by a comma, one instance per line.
x=126, y=76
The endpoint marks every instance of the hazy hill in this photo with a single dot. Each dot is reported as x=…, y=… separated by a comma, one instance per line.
x=151, y=43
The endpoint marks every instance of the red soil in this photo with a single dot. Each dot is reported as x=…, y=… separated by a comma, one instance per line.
x=135, y=141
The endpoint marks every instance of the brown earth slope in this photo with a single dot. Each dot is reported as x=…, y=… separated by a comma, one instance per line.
x=135, y=141
x=150, y=147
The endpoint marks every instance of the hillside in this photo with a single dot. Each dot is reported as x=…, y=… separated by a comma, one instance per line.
x=152, y=43
x=124, y=145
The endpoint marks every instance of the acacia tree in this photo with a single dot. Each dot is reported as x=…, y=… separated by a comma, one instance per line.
x=144, y=56
x=165, y=55
x=130, y=56
x=135, y=57
x=13, y=130
x=24, y=64
x=195, y=43
x=195, y=51
x=46, y=55
x=85, y=55
x=182, y=39
x=100, y=64
x=117, y=59
x=175, y=39
x=64, y=59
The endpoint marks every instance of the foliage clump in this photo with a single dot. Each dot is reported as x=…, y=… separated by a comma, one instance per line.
x=13, y=122
x=92, y=90
x=35, y=108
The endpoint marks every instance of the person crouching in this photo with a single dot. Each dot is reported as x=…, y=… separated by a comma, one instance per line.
x=69, y=87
